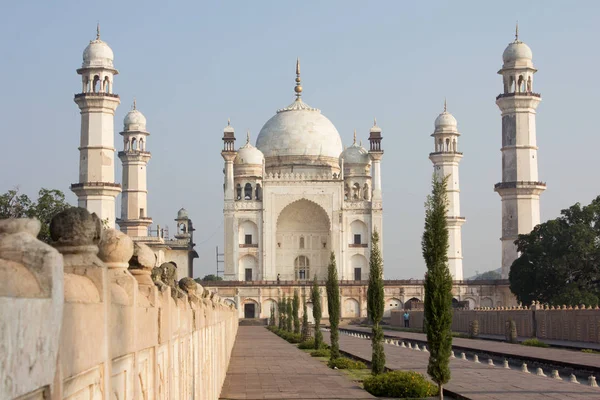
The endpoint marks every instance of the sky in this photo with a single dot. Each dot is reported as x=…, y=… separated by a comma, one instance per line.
x=192, y=65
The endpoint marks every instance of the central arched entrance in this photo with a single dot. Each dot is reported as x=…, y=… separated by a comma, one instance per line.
x=303, y=241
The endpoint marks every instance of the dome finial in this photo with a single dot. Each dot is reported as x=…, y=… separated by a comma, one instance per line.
x=134, y=104
x=98, y=31
x=248, y=136
x=517, y=32
x=374, y=121
x=298, y=88
x=445, y=105
x=228, y=121
x=355, y=136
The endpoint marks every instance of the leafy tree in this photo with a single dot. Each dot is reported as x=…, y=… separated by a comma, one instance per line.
x=295, y=309
x=304, y=317
x=211, y=278
x=315, y=296
x=288, y=312
x=559, y=260
x=438, y=285
x=333, y=306
x=49, y=203
x=488, y=276
x=375, y=305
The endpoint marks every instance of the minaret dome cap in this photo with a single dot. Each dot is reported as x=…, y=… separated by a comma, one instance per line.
x=98, y=54
x=134, y=121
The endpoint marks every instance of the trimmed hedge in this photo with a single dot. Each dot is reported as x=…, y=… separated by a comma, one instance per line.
x=403, y=384
x=289, y=336
x=310, y=345
x=321, y=353
x=345, y=363
x=534, y=343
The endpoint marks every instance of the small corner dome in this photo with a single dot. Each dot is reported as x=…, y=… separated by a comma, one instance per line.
x=445, y=120
x=134, y=121
x=249, y=155
x=98, y=54
x=516, y=51
x=355, y=154
x=182, y=214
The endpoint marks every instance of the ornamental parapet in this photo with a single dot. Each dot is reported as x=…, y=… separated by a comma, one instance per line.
x=301, y=177
x=519, y=184
x=518, y=94
x=97, y=94
x=95, y=184
x=450, y=153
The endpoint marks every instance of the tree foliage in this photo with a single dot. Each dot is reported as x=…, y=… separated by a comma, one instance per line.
x=289, y=318
x=488, y=276
x=559, y=260
x=295, y=309
x=315, y=297
x=304, y=332
x=281, y=309
x=333, y=306
x=375, y=305
x=438, y=284
x=49, y=203
x=212, y=278
x=272, y=316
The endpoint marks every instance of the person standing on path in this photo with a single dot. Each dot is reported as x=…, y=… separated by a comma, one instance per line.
x=406, y=319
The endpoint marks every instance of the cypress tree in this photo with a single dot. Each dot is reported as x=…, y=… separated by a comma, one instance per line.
x=304, y=317
x=315, y=296
x=438, y=285
x=333, y=306
x=282, y=313
x=375, y=305
x=272, y=318
x=295, y=307
x=288, y=315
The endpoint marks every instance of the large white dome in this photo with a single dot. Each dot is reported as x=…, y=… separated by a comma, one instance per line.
x=299, y=130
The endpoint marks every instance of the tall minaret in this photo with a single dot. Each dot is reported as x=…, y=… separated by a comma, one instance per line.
x=520, y=188
x=229, y=153
x=134, y=219
x=376, y=154
x=446, y=158
x=96, y=189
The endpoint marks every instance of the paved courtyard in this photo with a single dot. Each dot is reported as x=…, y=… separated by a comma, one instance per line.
x=476, y=381
x=264, y=366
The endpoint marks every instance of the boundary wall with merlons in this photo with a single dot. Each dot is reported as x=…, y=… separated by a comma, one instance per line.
x=88, y=318
x=580, y=324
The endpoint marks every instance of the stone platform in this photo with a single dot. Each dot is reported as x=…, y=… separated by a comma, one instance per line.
x=264, y=366
x=560, y=357
x=475, y=381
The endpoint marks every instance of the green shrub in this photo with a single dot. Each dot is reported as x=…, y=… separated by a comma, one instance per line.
x=534, y=342
x=345, y=363
x=590, y=351
x=320, y=353
x=310, y=344
x=403, y=384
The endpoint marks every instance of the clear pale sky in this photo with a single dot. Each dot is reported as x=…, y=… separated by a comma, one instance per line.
x=194, y=64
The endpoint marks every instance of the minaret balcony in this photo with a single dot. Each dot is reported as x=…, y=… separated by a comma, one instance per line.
x=519, y=184
x=518, y=94
x=450, y=153
x=97, y=94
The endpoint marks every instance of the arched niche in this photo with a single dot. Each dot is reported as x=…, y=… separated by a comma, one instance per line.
x=351, y=308
x=359, y=267
x=249, y=268
x=359, y=233
x=391, y=304
x=248, y=233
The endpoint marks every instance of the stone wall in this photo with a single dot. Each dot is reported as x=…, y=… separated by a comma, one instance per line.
x=565, y=323
x=89, y=318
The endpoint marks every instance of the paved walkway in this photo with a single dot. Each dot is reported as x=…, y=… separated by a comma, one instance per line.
x=567, y=358
x=476, y=381
x=264, y=366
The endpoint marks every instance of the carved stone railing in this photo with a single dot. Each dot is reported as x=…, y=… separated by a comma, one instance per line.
x=101, y=319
